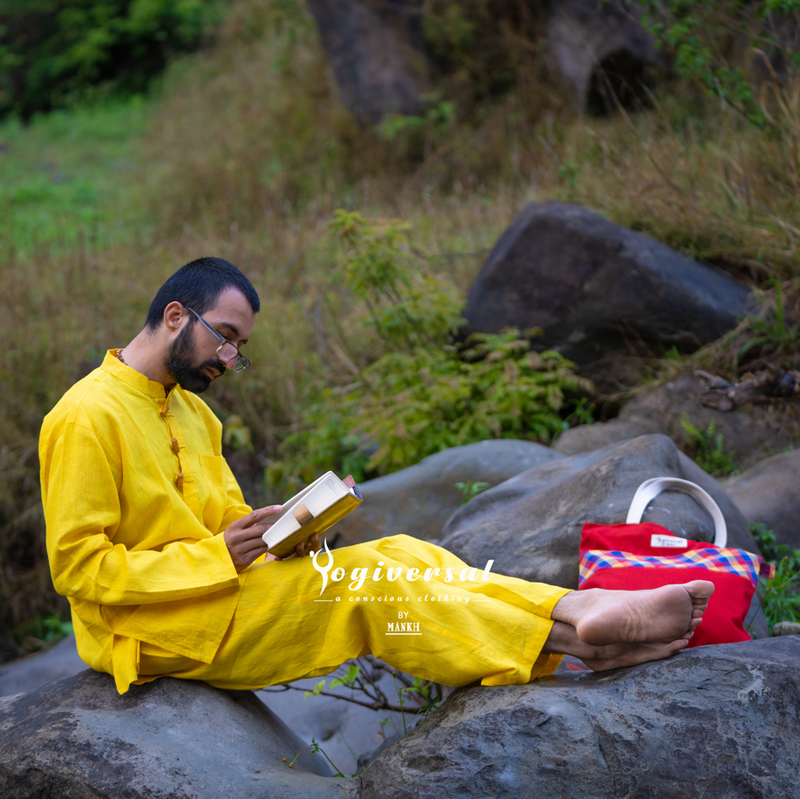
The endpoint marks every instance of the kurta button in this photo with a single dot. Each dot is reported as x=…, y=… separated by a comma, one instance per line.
x=164, y=411
x=176, y=447
x=179, y=482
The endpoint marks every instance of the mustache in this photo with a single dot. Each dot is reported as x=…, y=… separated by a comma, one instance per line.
x=214, y=363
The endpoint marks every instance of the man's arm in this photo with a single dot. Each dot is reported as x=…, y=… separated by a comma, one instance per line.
x=80, y=493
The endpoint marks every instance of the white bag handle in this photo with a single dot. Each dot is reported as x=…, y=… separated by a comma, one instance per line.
x=650, y=489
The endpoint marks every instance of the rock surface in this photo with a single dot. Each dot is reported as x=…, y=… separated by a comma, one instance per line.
x=377, y=70
x=716, y=721
x=750, y=434
x=33, y=671
x=418, y=500
x=594, y=287
x=589, y=437
x=345, y=730
x=769, y=492
x=173, y=739
x=603, y=45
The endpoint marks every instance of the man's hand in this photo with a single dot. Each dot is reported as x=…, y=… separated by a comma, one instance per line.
x=308, y=547
x=244, y=542
x=243, y=537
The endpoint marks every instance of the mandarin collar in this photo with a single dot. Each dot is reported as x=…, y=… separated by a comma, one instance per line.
x=134, y=379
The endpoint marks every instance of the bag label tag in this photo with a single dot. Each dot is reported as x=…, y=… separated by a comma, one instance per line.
x=658, y=540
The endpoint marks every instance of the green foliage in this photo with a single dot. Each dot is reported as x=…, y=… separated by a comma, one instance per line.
x=471, y=489
x=583, y=413
x=438, y=118
x=236, y=434
x=702, y=35
x=65, y=178
x=52, y=51
x=709, y=451
x=780, y=600
x=425, y=393
x=38, y=632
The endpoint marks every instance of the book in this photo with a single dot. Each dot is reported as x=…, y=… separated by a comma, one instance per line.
x=313, y=510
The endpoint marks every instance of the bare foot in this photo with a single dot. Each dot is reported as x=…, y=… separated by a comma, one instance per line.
x=665, y=614
x=563, y=639
x=615, y=656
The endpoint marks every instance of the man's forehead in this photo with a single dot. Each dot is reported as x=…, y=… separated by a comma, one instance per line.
x=234, y=310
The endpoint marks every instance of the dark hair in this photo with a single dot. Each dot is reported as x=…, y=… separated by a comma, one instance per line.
x=198, y=285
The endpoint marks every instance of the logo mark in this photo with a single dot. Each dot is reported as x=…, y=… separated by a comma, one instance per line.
x=323, y=570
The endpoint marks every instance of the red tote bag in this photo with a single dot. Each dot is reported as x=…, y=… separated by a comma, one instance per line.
x=640, y=554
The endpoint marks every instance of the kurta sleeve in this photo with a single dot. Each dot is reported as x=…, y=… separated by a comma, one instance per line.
x=80, y=493
x=235, y=507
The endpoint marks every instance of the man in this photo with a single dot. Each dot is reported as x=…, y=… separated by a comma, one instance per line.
x=163, y=562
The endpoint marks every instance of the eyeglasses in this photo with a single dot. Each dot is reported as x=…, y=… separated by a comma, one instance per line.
x=226, y=351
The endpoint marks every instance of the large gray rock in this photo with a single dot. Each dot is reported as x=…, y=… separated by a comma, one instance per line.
x=345, y=730
x=377, y=69
x=418, y=500
x=589, y=437
x=531, y=524
x=594, y=286
x=601, y=47
x=715, y=721
x=30, y=672
x=169, y=739
x=769, y=492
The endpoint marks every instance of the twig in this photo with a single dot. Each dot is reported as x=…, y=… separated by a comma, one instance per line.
x=371, y=705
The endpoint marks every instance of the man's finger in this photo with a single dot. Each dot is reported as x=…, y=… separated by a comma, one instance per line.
x=260, y=514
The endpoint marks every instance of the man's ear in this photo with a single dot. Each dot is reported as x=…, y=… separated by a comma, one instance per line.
x=174, y=314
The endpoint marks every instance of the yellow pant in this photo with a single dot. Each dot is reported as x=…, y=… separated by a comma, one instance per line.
x=453, y=632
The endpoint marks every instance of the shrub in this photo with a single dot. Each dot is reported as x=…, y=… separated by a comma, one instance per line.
x=426, y=391
x=53, y=50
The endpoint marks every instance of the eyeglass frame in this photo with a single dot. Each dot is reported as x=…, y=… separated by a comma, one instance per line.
x=241, y=361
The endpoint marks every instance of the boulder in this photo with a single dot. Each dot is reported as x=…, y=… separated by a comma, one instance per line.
x=371, y=52
x=589, y=437
x=30, y=672
x=418, y=500
x=768, y=493
x=599, y=48
x=169, y=739
x=344, y=729
x=595, y=287
x=715, y=721
x=531, y=524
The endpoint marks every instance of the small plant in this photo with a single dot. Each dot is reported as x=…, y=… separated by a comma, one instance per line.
x=780, y=600
x=583, y=413
x=314, y=748
x=471, y=489
x=710, y=454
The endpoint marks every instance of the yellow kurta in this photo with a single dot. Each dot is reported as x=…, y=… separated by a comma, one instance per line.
x=132, y=544
x=137, y=495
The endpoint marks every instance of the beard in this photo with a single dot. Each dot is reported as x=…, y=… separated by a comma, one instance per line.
x=180, y=365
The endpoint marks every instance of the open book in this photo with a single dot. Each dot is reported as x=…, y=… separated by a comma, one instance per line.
x=316, y=508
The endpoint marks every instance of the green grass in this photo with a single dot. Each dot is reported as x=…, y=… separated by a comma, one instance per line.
x=66, y=178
